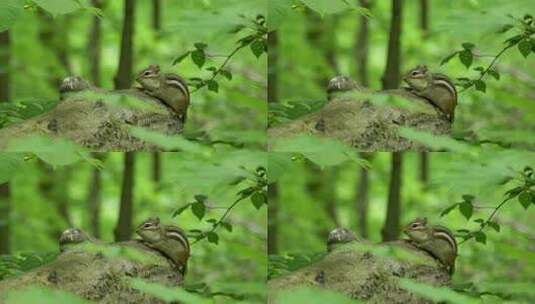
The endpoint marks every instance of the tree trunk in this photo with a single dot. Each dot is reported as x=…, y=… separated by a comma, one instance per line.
x=5, y=211
x=424, y=169
x=273, y=196
x=95, y=46
x=329, y=185
x=156, y=15
x=424, y=18
x=362, y=198
x=392, y=223
x=94, y=198
x=391, y=77
x=156, y=169
x=124, y=223
x=273, y=58
x=123, y=79
x=362, y=47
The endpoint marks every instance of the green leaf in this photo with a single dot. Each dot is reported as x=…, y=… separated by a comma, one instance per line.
x=480, y=85
x=198, y=57
x=525, y=198
x=278, y=164
x=326, y=7
x=212, y=85
x=227, y=226
x=448, y=58
x=180, y=210
x=198, y=209
x=259, y=199
x=448, y=210
x=494, y=226
x=494, y=73
x=181, y=57
x=258, y=47
x=466, y=209
x=468, y=198
x=201, y=198
x=57, y=7
x=480, y=237
x=10, y=10
x=433, y=141
x=226, y=74
x=56, y=152
x=466, y=57
x=525, y=47
x=505, y=28
x=212, y=237
x=437, y=294
x=200, y=45
x=310, y=295
x=10, y=164
x=468, y=46
x=43, y=296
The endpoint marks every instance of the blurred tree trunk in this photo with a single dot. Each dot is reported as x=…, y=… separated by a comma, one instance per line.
x=123, y=79
x=53, y=186
x=391, y=81
x=321, y=185
x=391, y=76
x=320, y=34
x=424, y=156
x=273, y=58
x=95, y=46
x=424, y=18
x=272, y=96
x=362, y=197
x=273, y=196
x=362, y=46
x=5, y=211
x=94, y=198
x=126, y=208
x=5, y=197
x=424, y=169
x=157, y=15
x=391, y=228
x=54, y=35
x=156, y=169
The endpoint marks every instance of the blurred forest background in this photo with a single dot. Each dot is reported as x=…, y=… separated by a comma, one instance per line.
x=108, y=42
x=110, y=194
x=313, y=41
x=309, y=198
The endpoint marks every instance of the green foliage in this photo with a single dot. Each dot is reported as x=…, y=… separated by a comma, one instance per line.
x=58, y=7
x=12, y=265
x=281, y=264
x=43, y=295
x=9, y=12
x=167, y=294
x=313, y=296
x=436, y=294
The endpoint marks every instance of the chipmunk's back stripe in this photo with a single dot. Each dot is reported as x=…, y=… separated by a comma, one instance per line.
x=179, y=84
x=450, y=239
x=450, y=87
x=179, y=237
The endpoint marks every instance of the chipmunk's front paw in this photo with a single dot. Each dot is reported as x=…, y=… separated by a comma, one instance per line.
x=73, y=84
x=71, y=236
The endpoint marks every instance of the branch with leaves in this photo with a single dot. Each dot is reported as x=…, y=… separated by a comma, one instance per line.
x=523, y=40
x=256, y=41
x=524, y=193
x=257, y=193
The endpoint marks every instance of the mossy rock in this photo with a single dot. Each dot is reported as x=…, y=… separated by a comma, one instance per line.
x=367, y=272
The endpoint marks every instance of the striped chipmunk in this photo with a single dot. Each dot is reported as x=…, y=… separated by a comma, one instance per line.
x=169, y=88
x=169, y=240
x=436, y=240
x=434, y=87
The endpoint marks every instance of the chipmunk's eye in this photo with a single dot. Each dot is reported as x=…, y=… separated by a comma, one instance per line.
x=414, y=73
x=414, y=225
x=147, y=73
x=147, y=225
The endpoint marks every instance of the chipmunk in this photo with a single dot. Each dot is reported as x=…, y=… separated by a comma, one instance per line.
x=436, y=88
x=436, y=240
x=169, y=88
x=169, y=240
